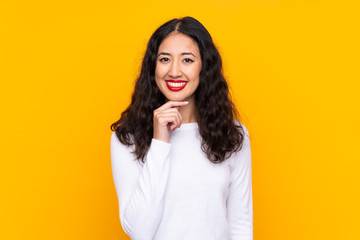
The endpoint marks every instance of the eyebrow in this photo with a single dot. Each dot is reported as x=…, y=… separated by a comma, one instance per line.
x=184, y=53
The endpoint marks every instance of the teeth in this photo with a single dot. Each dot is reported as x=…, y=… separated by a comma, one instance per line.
x=173, y=84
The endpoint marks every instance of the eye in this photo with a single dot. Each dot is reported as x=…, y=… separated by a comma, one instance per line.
x=188, y=60
x=165, y=59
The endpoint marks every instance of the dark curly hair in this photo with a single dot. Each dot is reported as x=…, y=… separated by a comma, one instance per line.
x=221, y=135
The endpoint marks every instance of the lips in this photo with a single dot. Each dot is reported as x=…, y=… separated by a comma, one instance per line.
x=176, y=85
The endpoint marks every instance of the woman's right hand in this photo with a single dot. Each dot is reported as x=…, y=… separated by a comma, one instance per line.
x=167, y=118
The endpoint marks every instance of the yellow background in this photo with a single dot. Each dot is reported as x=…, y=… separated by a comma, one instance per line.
x=67, y=70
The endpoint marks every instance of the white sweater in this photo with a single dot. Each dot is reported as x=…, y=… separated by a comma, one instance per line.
x=178, y=194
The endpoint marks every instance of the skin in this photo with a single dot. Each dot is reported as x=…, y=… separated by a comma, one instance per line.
x=178, y=59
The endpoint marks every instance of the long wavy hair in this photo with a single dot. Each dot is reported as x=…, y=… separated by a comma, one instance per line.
x=221, y=135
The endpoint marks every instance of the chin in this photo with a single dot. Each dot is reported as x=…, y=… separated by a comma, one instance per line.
x=175, y=97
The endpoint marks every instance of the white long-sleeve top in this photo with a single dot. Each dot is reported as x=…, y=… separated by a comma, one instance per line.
x=178, y=194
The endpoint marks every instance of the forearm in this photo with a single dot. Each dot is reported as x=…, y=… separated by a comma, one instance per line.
x=141, y=193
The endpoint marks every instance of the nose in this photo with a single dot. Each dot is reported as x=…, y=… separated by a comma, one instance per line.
x=175, y=70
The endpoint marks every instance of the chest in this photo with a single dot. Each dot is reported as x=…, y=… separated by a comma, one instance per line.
x=192, y=173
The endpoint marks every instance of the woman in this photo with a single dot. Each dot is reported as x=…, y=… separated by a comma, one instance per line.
x=181, y=164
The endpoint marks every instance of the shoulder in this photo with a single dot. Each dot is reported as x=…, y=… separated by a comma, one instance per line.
x=114, y=140
x=116, y=145
x=245, y=131
x=238, y=123
x=243, y=156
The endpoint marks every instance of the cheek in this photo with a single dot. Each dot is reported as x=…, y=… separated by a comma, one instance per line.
x=156, y=72
x=157, y=75
x=196, y=73
x=160, y=71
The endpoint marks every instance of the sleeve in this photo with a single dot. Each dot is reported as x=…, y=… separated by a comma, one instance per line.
x=239, y=202
x=140, y=190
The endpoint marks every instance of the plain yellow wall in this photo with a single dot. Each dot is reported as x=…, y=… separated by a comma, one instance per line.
x=67, y=70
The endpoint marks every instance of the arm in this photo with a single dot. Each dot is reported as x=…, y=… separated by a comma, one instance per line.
x=239, y=202
x=140, y=191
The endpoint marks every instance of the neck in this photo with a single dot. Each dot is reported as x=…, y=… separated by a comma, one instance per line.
x=188, y=112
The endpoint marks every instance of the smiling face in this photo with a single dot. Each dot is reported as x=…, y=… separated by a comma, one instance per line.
x=178, y=67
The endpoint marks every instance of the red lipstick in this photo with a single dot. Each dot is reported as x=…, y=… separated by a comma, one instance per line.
x=176, y=85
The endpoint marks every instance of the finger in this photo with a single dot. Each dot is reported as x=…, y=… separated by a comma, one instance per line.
x=166, y=112
x=175, y=124
x=173, y=110
x=171, y=104
x=165, y=120
x=158, y=112
x=174, y=119
x=178, y=121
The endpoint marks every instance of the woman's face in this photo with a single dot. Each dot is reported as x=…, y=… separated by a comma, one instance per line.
x=178, y=67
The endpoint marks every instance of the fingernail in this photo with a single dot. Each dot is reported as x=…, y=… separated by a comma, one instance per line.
x=186, y=102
